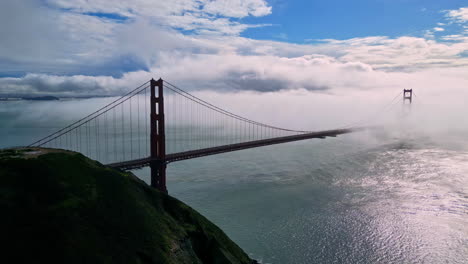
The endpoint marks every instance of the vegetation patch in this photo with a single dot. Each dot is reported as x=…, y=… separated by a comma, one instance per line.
x=61, y=207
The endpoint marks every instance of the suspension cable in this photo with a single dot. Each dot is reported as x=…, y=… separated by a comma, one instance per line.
x=81, y=122
x=84, y=118
x=222, y=111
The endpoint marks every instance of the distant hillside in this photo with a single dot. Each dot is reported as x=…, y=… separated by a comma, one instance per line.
x=61, y=207
x=41, y=98
x=28, y=98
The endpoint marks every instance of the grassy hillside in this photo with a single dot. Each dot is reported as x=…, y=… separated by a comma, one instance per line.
x=61, y=207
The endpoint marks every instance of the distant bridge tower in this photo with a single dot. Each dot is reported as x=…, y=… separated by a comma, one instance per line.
x=157, y=137
x=407, y=95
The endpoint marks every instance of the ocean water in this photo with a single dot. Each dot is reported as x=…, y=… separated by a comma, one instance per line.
x=394, y=196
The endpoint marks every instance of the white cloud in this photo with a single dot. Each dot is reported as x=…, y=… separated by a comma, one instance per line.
x=439, y=29
x=401, y=54
x=227, y=69
x=62, y=37
x=246, y=64
x=215, y=58
x=129, y=8
x=38, y=39
x=456, y=37
x=75, y=85
x=282, y=36
x=237, y=8
x=201, y=16
x=226, y=8
x=458, y=15
x=429, y=34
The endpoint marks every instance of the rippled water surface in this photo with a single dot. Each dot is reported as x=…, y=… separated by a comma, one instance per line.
x=396, y=197
x=336, y=201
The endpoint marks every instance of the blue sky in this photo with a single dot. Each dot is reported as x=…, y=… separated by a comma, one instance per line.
x=300, y=20
x=50, y=45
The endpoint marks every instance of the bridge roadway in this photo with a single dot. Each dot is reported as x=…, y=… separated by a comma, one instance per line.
x=139, y=163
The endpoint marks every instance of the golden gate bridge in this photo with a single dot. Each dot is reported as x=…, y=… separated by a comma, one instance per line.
x=158, y=123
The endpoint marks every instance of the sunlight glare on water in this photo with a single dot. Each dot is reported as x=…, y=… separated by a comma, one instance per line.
x=398, y=202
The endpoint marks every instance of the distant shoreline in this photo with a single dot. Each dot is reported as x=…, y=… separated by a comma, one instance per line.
x=34, y=98
x=44, y=98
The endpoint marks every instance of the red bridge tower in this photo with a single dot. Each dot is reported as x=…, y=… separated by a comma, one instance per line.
x=408, y=95
x=158, y=137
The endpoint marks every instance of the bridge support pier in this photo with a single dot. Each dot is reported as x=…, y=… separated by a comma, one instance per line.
x=157, y=137
x=158, y=175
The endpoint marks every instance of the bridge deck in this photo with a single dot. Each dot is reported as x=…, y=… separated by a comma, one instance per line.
x=139, y=163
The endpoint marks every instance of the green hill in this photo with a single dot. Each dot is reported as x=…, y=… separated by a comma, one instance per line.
x=61, y=207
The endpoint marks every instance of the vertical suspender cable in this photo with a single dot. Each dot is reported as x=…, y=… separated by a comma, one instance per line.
x=146, y=121
x=123, y=132
x=138, y=124
x=114, y=135
x=106, y=137
x=131, y=135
